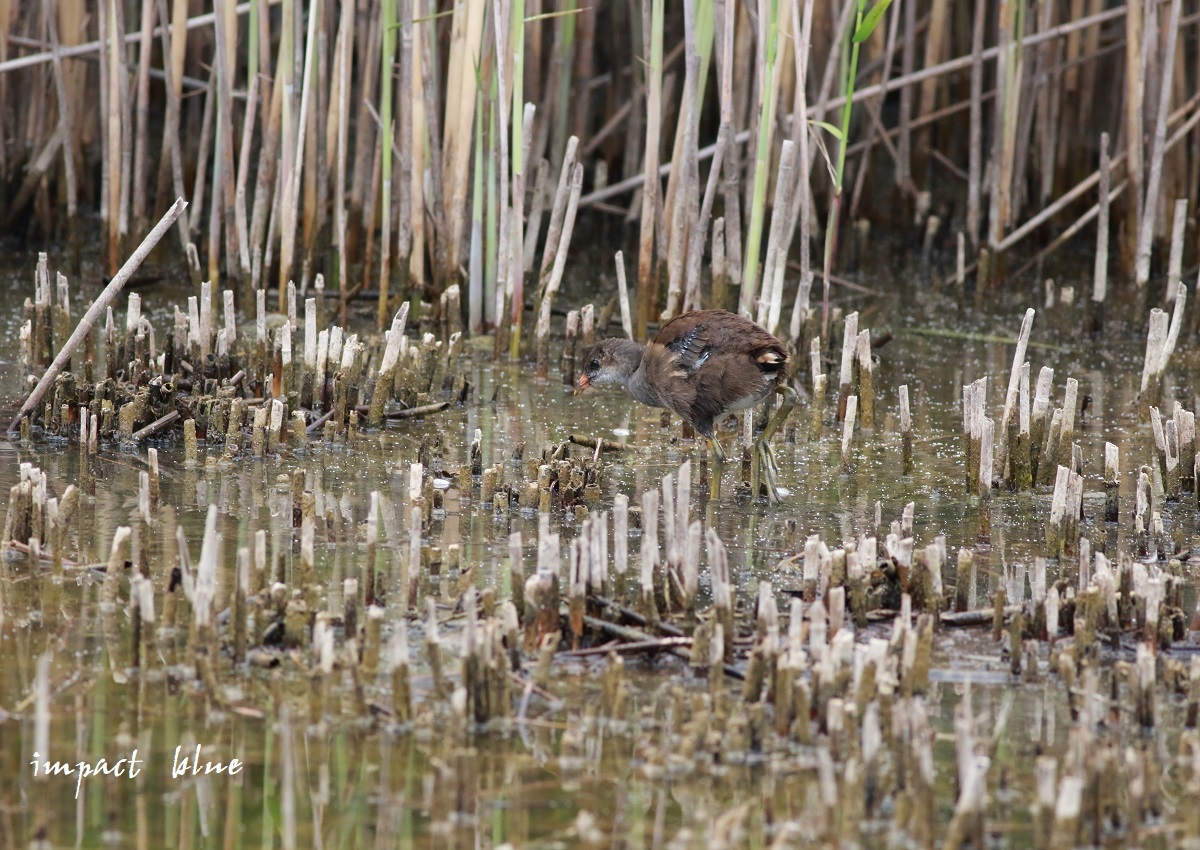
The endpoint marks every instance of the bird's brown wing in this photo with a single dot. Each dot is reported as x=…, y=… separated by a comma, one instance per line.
x=699, y=335
x=688, y=337
x=706, y=361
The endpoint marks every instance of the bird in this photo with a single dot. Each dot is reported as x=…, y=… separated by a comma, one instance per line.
x=702, y=365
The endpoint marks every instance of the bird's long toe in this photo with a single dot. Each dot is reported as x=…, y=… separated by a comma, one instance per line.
x=769, y=469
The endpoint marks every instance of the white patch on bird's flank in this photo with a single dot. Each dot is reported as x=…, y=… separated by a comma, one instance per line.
x=622, y=432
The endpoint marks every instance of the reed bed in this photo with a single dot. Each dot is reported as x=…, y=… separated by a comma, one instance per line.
x=294, y=607
x=398, y=148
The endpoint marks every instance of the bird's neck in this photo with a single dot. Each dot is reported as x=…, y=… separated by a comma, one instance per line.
x=639, y=387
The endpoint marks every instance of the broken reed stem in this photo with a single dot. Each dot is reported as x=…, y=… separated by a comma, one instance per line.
x=556, y=274
x=623, y=294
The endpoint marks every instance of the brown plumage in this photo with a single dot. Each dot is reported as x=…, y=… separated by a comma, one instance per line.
x=702, y=365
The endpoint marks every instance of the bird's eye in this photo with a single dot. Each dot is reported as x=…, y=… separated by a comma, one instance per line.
x=594, y=365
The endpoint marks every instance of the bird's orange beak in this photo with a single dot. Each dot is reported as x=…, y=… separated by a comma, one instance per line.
x=584, y=383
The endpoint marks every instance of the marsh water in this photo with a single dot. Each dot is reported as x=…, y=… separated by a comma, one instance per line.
x=556, y=770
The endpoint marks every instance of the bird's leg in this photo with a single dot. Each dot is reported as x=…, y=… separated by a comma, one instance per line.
x=714, y=478
x=766, y=454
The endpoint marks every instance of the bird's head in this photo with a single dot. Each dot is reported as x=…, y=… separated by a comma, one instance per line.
x=610, y=361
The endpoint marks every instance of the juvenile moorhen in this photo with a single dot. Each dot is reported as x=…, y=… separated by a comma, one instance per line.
x=702, y=365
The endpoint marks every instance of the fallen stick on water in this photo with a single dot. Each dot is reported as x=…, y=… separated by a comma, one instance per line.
x=410, y=412
x=46, y=555
x=605, y=445
x=98, y=308
x=633, y=616
x=633, y=646
x=629, y=635
x=155, y=426
x=976, y=617
x=407, y=413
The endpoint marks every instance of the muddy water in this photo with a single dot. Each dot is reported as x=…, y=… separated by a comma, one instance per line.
x=557, y=772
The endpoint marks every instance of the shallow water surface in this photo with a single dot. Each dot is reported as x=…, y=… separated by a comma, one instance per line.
x=648, y=752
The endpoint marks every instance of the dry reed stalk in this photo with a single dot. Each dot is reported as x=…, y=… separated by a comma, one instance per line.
x=404, y=227
x=171, y=155
x=386, y=102
x=291, y=187
x=435, y=204
x=936, y=37
x=1134, y=94
x=267, y=181
x=114, y=128
x=172, y=32
x=682, y=189
x=475, y=260
x=466, y=38
x=537, y=208
x=202, y=156
x=907, y=59
x=768, y=70
x=364, y=137
x=652, y=36
x=623, y=295
x=226, y=44
x=584, y=69
x=699, y=237
x=140, y=166
x=560, y=262
x=975, y=141
x=1014, y=386
x=1008, y=103
x=697, y=52
x=6, y=18
x=282, y=204
x=802, y=199
x=74, y=20
x=419, y=132
x=1050, y=95
x=556, y=104
x=492, y=212
x=1178, y=228
x=1193, y=179
x=213, y=269
x=510, y=278
x=725, y=271
x=515, y=245
x=316, y=161
x=1149, y=207
x=557, y=216
x=1100, y=271
x=117, y=19
x=241, y=224
x=776, y=258
x=64, y=112
x=700, y=210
